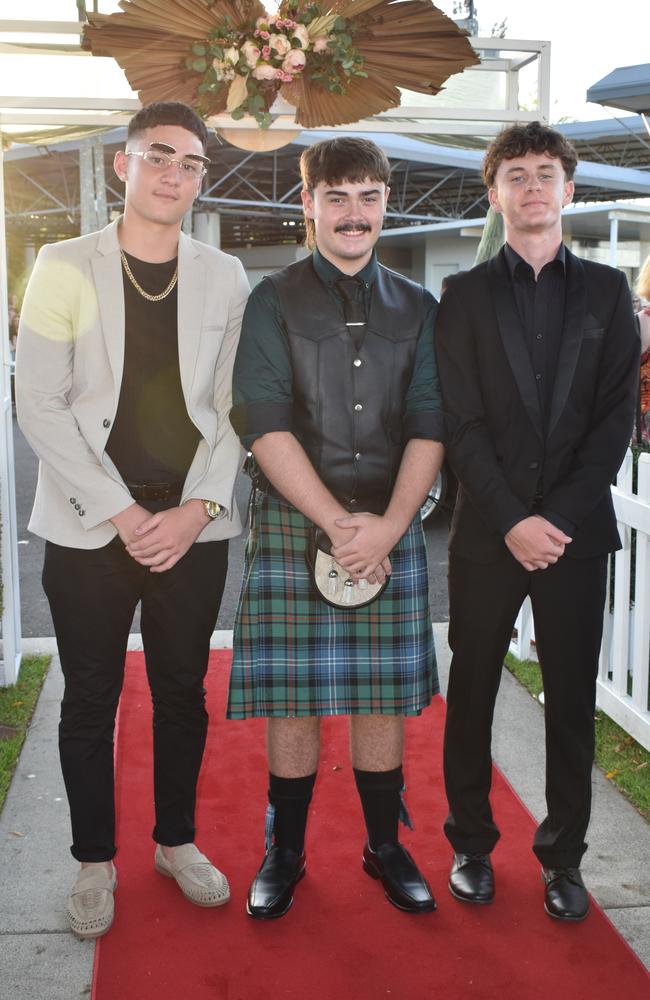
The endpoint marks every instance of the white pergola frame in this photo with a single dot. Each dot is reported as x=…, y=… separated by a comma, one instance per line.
x=510, y=57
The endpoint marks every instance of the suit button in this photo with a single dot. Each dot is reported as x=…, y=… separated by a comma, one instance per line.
x=358, y=407
x=106, y=422
x=81, y=513
x=357, y=362
x=73, y=499
x=357, y=457
x=533, y=465
x=77, y=506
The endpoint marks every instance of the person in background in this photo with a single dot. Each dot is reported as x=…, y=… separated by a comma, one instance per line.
x=124, y=370
x=336, y=394
x=643, y=322
x=538, y=356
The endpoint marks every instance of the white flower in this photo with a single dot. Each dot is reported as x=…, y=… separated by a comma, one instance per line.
x=280, y=43
x=294, y=61
x=321, y=43
x=222, y=70
x=264, y=71
x=302, y=35
x=231, y=55
x=251, y=53
x=263, y=23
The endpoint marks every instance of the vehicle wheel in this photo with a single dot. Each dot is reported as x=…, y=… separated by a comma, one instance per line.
x=435, y=497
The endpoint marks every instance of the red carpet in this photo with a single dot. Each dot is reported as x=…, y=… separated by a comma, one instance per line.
x=341, y=939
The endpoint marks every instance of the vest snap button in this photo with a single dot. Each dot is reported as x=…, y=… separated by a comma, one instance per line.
x=358, y=407
x=357, y=362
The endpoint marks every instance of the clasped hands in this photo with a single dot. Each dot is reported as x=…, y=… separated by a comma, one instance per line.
x=160, y=540
x=361, y=544
x=536, y=543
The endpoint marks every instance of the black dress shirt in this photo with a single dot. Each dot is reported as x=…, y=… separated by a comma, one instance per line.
x=540, y=304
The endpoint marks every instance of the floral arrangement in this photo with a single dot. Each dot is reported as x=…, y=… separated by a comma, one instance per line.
x=251, y=61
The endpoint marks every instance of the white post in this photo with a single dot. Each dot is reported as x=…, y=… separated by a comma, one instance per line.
x=613, y=240
x=207, y=228
x=11, y=636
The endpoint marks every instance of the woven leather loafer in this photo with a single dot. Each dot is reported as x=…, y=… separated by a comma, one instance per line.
x=271, y=893
x=195, y=875
x=90, y=906
x=565, y=895
x=472, y=878
x=404, y=885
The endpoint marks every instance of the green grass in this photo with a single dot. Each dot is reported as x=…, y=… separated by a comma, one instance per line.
x=17, y=704
x=623, y=761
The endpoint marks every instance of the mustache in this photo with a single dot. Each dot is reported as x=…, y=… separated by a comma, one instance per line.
x=349, y=227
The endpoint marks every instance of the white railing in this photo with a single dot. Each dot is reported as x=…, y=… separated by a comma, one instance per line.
x=624, y=669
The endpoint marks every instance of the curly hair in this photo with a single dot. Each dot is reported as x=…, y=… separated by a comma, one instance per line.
x=168, y=113
x=643, y=281
x=533, y=137
x=344, y=158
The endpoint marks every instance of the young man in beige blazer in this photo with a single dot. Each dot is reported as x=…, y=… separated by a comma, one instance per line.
x=123, y=382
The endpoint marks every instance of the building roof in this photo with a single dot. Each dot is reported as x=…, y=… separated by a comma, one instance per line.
x=627, y=87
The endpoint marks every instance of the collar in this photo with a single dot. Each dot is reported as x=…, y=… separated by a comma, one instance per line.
x=514, y=260
x=329, y=273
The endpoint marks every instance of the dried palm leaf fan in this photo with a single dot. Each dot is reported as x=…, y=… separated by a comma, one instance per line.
x=407, y=44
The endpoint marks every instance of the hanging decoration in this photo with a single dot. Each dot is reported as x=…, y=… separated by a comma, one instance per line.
x=334, y=61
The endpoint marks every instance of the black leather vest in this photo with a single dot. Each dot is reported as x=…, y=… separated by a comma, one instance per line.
x=348, y=405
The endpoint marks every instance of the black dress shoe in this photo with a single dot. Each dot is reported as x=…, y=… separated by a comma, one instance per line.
x=403, y=884
x=565, y=896
x=472, y=878
x=271, y=893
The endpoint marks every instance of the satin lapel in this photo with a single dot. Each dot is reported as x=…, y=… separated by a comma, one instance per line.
x=107, y=272
x=191, y=291
x=512, y=337
x=575, y=309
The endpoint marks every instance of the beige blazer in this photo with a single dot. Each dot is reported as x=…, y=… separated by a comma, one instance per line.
x=69, y=371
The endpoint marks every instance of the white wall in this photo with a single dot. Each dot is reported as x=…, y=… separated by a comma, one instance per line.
x=260, y=261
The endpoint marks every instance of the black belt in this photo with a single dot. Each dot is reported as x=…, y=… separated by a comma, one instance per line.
x=155, y=491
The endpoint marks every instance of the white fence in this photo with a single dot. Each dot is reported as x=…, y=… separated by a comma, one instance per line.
x=624, y=670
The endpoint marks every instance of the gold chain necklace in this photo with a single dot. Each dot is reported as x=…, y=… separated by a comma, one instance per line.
x=145, y=295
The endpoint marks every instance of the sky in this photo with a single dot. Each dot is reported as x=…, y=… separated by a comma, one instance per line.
x=587, y=41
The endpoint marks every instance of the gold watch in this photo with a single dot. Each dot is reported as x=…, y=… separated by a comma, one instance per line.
x=213, y=509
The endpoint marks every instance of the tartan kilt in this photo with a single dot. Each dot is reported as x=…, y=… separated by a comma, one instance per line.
x=294, y=655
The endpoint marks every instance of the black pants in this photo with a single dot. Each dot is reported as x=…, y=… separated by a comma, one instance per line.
x=568, y=603
x=93, y=594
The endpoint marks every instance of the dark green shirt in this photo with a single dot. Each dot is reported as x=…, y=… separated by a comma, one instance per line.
x=262, y=378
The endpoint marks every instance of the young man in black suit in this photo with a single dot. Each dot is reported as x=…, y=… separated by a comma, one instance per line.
x=538, y=359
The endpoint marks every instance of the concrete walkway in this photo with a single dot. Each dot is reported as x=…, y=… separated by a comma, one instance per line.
x=41, y=960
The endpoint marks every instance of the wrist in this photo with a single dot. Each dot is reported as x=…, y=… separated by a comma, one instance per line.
x=395, y=526
x=198, y=511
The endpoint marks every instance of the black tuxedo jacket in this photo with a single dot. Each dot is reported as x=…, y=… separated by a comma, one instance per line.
x=498, y=447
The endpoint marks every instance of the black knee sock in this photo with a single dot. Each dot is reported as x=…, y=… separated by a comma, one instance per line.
x=290, y=797
x=380, y=799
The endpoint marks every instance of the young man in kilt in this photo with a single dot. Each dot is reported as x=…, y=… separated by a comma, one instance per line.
x=336, y=395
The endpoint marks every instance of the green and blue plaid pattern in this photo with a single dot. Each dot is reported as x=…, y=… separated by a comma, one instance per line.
x=294, y=655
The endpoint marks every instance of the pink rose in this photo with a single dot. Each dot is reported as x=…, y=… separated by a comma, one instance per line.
x=263, y=34
x=264, y=71
x=266, y=52
x=321, y=43
x=251, y=54
x=294, y=62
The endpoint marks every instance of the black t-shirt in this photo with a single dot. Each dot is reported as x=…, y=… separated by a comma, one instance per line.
x=152, y=439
